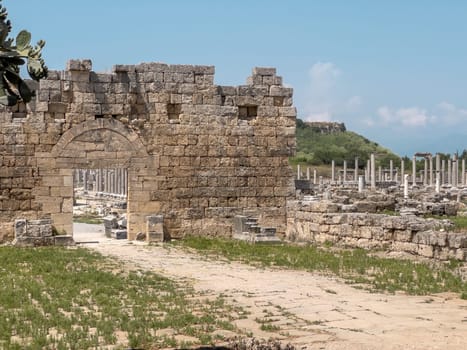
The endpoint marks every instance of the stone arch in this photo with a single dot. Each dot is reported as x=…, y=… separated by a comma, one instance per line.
x=96, y=144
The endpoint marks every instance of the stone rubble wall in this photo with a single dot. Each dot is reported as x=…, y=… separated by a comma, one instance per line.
x=196, y=152
x=37, y=233
x=322, y=221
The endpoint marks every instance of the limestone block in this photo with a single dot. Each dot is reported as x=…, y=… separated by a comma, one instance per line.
x=323, y=207
x=265, y=71
x=79, y=65
x=403, y=235
x=387, y=222
x=280, y=91
x=335, y=230
x=399, y=222
x=451, y=208
x=346, y=230
x=154, y=228
x=288, y=112
x=441, y=253
x=338, y=219
x=50, y=205
x=363, y=232
x=381, y=234
x=461, y=254
x=425, y=250
x=457, y=240
x=366, y=206
x=20, y=228
x=422, y=237
x=405, y=247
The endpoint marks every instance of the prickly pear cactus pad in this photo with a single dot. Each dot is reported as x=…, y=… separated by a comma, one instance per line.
x=13, y=54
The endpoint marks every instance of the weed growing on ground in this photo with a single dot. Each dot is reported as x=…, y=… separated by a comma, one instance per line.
x=88, y=219
x=74, y=299
x=356, y=266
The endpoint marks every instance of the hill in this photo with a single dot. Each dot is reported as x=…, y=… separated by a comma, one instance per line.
x=318, y=143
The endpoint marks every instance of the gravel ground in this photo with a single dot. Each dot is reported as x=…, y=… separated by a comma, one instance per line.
x=309, y=310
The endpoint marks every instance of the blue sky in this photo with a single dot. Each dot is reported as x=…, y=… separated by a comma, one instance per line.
x=394, y=71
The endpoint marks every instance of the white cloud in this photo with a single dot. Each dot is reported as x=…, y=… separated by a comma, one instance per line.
x=323, y=76
x=450, y=114
x=324, y=99
x=408, y=117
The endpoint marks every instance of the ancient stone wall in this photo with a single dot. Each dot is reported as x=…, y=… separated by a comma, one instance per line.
x=326, y=127
x=321, y=221
x=196, y=153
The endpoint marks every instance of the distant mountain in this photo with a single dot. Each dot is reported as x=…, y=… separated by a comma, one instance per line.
x=319, y=143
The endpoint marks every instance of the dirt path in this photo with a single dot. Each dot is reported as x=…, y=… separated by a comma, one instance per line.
x=310, y=310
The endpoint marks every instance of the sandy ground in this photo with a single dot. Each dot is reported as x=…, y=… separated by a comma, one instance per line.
x=313, y=311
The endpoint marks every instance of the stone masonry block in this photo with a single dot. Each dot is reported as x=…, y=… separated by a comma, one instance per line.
x=20, y=228
x=79, y=65
x=154, y=228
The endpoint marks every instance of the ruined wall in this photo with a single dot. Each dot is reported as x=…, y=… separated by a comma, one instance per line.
x=196, y=152
x=318, y=222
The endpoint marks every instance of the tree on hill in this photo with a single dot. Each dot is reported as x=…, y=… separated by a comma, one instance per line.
x=318, y=148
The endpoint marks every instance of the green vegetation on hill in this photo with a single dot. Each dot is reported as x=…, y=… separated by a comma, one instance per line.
x=317, y=148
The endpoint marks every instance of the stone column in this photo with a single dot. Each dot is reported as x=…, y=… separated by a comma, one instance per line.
x=437, y=182
x=122, y=171
x=414, y=171
x=97, y=180
x=455, y=171
x=368, y=171
x=402, y=170
x=437, y=164
x=463, y=172
x=333, y=171
x=114, y=178
x=314, y=176
x=125, y=182
x=406, y=186
x=308, y=173
x=380, y=174
x=431, y=170
x=345, y=171
x=299, y=171
x=373, y=171
x=391, y=165
x=361, y=183
x=356, y=169
x=449, y=172
x=443, y=172
x=111, y=182
x=425, y=172
x=85, y=180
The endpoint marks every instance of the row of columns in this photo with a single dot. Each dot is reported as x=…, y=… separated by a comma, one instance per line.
x=428, y=176
x=108, y=181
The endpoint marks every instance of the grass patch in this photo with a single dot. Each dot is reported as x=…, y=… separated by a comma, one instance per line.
x=460, y=222
x=59, y=298
x=88, y=219
x=357, y=266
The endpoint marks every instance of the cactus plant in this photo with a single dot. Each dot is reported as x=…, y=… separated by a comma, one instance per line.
x=13, y=54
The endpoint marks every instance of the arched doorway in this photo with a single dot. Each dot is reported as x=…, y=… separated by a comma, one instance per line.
x=97, y=144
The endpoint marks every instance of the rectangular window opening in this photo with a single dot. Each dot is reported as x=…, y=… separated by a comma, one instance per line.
x=173, y=111
x=247, y=112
